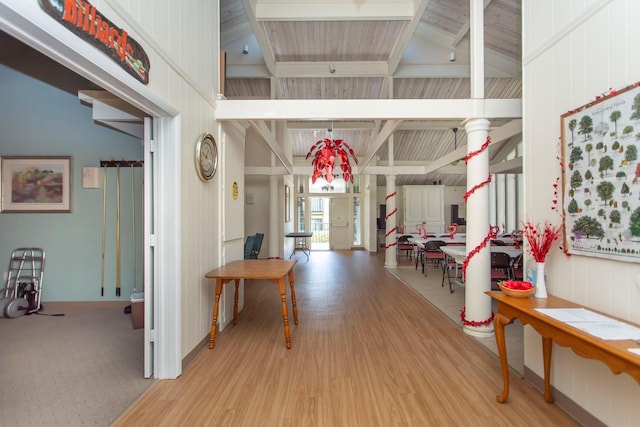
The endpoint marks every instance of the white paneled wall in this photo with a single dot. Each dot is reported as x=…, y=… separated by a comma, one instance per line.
x=572, y=52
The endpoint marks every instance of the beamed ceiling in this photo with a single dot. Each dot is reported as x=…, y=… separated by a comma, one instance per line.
x=374, y=50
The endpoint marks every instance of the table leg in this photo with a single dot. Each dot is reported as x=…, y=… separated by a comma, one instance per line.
x=293, y=297
x=499, y=322
x=285, y=316
x=235, y=303
x=212, y=335
x=547, y=345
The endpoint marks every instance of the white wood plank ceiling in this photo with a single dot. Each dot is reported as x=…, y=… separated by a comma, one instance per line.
x=372, y=49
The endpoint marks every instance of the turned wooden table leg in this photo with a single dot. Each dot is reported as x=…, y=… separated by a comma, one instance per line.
x=547, y=345
x=293, y=298
x=285, y=316
x=499, y=323
x=214, y=321
x=235, y=302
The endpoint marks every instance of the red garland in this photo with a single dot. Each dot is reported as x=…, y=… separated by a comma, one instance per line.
x=394, y=229
x=493, y=233
x=473, y=323
x=475, y=187
x=475, y=153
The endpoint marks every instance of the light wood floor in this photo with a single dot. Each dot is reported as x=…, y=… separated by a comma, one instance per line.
x=368, y=351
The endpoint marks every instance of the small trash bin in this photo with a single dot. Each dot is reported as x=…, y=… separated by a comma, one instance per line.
x=137, y=310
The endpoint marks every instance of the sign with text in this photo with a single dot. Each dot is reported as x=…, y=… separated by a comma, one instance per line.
x=89, y=24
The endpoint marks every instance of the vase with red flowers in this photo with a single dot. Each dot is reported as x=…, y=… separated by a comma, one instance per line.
x=540, y=240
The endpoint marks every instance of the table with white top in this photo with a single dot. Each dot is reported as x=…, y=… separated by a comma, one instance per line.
x=459, y=254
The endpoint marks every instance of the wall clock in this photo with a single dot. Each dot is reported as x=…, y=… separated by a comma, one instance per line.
x=206, y=157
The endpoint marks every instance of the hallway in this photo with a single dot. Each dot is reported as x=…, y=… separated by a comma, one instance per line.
x=368, y=351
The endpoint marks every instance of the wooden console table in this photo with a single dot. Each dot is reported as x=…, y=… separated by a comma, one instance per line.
x=274, y=270
x=614, y=353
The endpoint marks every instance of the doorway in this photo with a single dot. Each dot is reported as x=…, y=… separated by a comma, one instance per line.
x=339, y=223
x=319, y=218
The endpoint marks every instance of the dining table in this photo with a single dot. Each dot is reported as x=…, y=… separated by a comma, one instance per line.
x=273, y=270
x=459, y=254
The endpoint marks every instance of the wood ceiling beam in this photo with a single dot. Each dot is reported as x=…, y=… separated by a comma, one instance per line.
x=269, y=137
x=380, y=138
x=405, y=36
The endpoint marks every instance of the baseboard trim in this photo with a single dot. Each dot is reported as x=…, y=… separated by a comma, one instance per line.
x=572, y=409
x=186, y=361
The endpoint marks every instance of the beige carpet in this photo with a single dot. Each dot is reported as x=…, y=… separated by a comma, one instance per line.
x=82, y=369
x=429, y=286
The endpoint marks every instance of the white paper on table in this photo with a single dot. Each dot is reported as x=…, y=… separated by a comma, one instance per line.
x=593, y=323
x=635, y=351
x=574, y=315
x=611, y=330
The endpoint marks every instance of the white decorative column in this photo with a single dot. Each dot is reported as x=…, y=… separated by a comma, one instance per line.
x=390, y=258
x=275, y=241
x=478, y=275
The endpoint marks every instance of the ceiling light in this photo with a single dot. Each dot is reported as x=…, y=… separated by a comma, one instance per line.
x=452, y=57
x=332, y=68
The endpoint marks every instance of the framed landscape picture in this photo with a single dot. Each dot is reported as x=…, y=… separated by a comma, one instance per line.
x=36, y=184
x=601, y=176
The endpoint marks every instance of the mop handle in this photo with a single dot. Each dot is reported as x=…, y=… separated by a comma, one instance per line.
x=104, y=223
x=133, y=227
x=118, y=231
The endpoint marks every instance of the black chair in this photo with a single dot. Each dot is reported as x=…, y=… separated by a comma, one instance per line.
x=449, y=264
x=432, y=253
x=516, y=268
x=500, y=266
x=404, y=244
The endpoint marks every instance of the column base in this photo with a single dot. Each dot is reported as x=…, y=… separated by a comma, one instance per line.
x=478, y=331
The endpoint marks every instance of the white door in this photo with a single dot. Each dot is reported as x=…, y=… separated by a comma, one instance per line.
x=339, y=214
x=149, y=246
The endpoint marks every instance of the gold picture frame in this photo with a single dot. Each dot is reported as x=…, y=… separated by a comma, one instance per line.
x=36, y=184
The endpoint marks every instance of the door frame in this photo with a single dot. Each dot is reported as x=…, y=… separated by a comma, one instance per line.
x=43, y=34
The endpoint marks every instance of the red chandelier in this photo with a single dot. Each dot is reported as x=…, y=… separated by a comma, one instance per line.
x=324, y=154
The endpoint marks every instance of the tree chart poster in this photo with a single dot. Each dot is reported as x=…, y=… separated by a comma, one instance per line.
x=601, y=176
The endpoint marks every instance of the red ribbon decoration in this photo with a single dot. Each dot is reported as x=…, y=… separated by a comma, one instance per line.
x=394, y=229
x=453, y=229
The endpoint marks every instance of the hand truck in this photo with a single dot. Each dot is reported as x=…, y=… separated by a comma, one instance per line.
x=23, y=283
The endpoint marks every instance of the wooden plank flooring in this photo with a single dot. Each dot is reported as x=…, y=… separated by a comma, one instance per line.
x=368, y=351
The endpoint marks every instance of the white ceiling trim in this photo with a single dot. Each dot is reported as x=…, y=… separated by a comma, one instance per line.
x=340, y=69
x=362, y=109
x=277, y=10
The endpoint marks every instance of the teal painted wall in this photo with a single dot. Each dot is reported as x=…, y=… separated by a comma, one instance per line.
x=37, y=119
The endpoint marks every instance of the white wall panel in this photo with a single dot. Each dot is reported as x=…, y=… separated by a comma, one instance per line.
x=574, y=51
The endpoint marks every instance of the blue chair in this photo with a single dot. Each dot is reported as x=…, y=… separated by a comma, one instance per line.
x=257, y=245
x=248, y=246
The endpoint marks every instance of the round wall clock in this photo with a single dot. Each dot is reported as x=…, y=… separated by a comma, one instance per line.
x=206, y=157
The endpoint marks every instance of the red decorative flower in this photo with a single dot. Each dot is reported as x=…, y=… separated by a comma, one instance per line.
x=324, y=154
x=541, y=239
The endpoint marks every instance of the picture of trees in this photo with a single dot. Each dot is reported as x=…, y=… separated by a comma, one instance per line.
x=601, y=190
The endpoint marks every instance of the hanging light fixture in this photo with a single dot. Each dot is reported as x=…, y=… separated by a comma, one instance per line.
x=324, y=154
